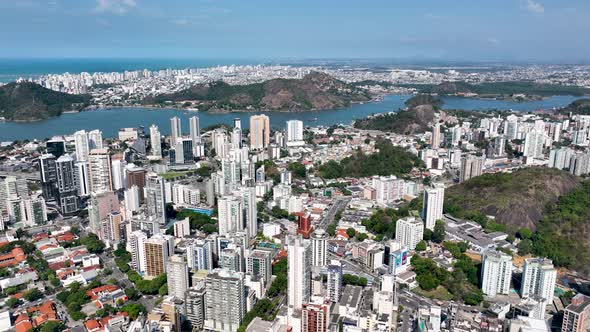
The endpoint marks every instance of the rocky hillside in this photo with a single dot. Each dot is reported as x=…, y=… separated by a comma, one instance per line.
x=415, y=119
x=316, y=91
x=28, y=101
x=517, y=199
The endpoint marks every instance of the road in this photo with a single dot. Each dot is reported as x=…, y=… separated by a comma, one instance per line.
x=338, y=205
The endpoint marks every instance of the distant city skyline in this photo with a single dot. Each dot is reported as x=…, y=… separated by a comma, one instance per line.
x=462, y=30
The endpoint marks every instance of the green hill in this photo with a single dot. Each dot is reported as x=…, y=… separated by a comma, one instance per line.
x=315, y=91
x=28, y=101
x=415, y=119
x=516, y=199
x=389, y=160
x=553, y=203
x=580, y=106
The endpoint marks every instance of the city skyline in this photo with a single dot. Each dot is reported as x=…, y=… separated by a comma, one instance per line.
x=508, y=31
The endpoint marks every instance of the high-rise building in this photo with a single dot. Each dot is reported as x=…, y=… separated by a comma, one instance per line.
x=315, y=317
x=259, y=132
x=136, y=246
x=157, y=249
x=230, y=259
x=67, y=185
x=295, y=133
x=56, y=146
x=435, y=139
x=155, y=141
x=177, y=272
x=101, y=206
x=82, y=147
x=48, y=174
x=334, y=280
x=175, y=130
x=199, y=255
x=576, y=316
x=248, y=199
x=95, y=139
x=533, y=144
x=432, y=207
x=259, y=264
x=131, y=197
x=409, y=232
x=496, y=273
x=83, y=177
x=299, y=267
x=538, y=279
x=195, y=130
x=230, y=215
x=111, y=227
x=225, y=300
x=195, y=306
x=136, y=177
x=319, y=241
x=183, y=151
x=155, y=197
x=12, y=187
x=118, y=173
x=100, y=171
x=471, y=167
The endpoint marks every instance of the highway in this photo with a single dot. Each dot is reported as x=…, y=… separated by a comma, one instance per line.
x=338, y=205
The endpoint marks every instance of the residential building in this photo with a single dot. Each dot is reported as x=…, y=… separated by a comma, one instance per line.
x=496, y=273
x=225, y=300
x=409, y=232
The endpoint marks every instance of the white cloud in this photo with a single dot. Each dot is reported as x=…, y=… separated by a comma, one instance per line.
x=533, y=6
x=119, y=7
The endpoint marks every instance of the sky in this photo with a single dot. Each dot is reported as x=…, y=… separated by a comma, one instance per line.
x=450, y=30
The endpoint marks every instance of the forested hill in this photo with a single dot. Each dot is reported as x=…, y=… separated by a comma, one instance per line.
x=580, y=106
x=547, y=208
x=27, y=101
x=415, y=119
x=315, y=91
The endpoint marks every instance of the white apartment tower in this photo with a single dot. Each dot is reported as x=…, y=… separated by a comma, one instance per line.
x=299, y=272
x=230, y=215
x=432, y=207
x=538, y=279
x=409, y=232
x=155, y=197
x=175, y=130
x=295, y=133
x=319, y=241
x=100, y=171
x=82, y=147
x=225, y=300
x=155, y=141
x=177, y=271
x=95, y=139
x=496, y=273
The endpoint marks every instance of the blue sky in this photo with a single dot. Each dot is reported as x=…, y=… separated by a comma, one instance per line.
x=478, y=30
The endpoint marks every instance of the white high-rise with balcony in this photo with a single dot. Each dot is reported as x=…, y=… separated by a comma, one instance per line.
x=432, y=207
x=538, y=279
x=409, y=232
x=496, y=273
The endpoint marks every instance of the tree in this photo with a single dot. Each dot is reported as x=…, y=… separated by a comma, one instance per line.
x=350, y=232
x=297, y=169
x=421, y=246
x=32, y=295
x=525, y=233
x=93, y=243
x=52, y=326
x=133, y=309
x=331, y=229
x=438, y=235
x=525, y=247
